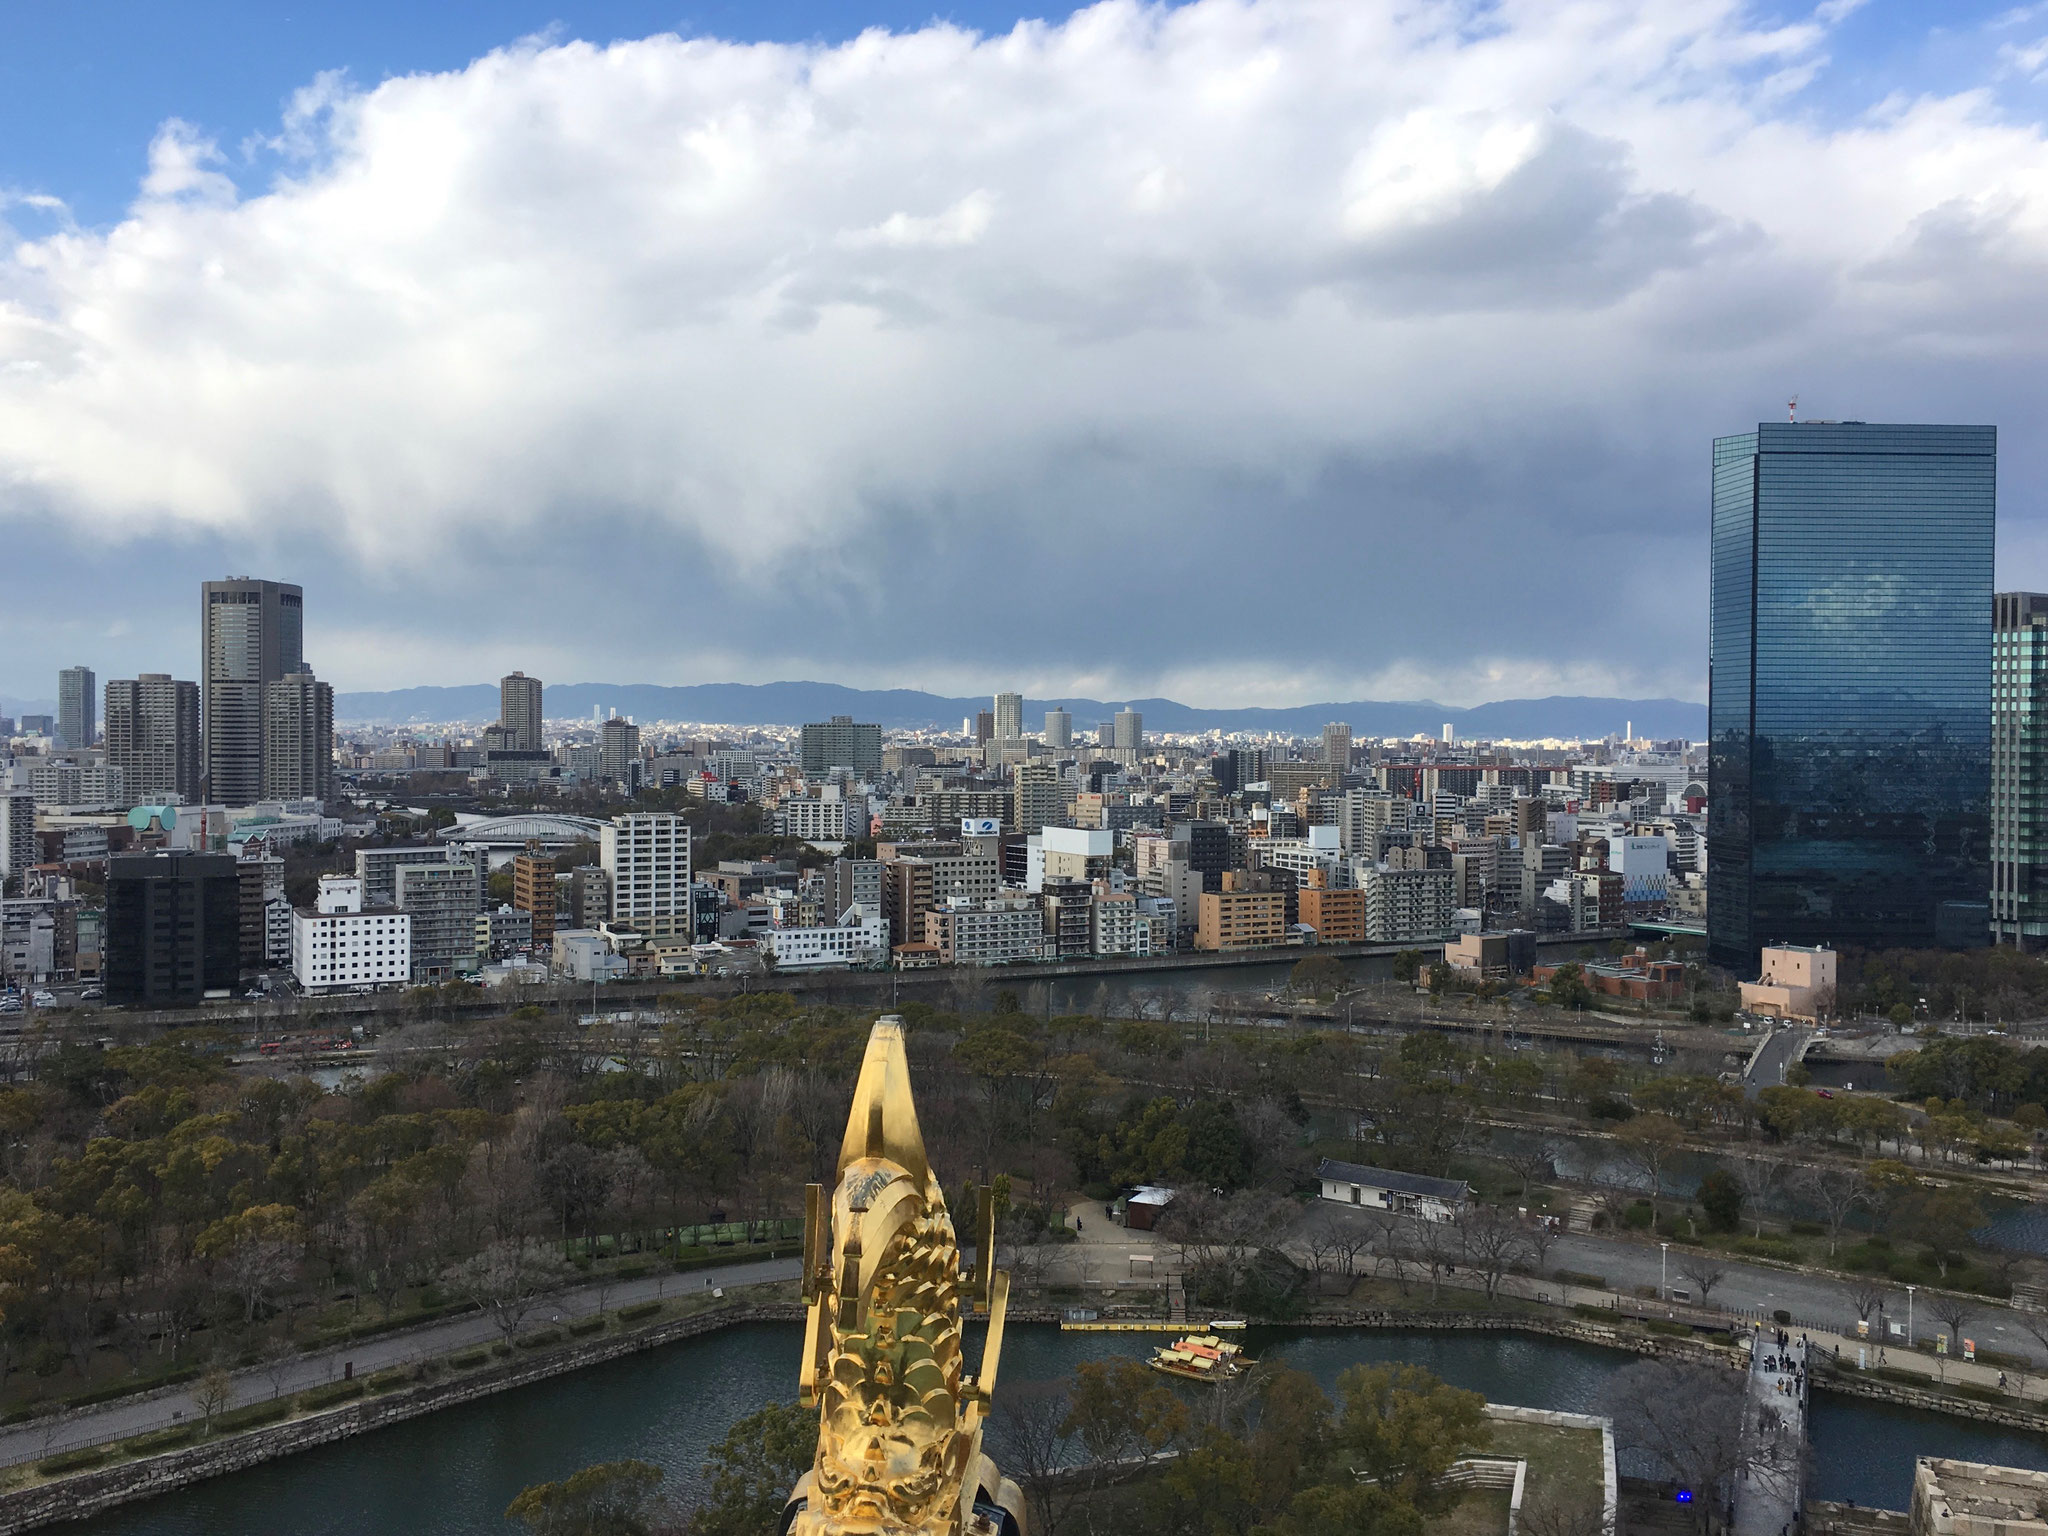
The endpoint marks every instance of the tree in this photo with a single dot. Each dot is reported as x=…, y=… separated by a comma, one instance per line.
x=1865, y=1295
x=1703, y=1270
x=1955, y=1313
x=613, y=1498
x=1319, y=976
x=1491, y=1242
x=1119, y=1411
x=1759, y=1178
x=1684, y=1423
x=1033, y=1442
x=1647, y=1144
x=1942, y=1219
x=748, y=1474
x=1721, y=1199
x=256, y=1251
x=1400, y=1429
x=1837, y=1192
x=215, y=1390
x=1529, y=1161
x=507, y=1280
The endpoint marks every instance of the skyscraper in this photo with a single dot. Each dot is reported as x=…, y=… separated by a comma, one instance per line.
x=2019, y=770
x=1059, y=729
x=1850, y=687
x=1009, y=716
x=298, y=738
x=1337, y=745
x=647, y=855
x=1036, y=788
x=153, y=737
x=841, y=742
x=251, y=633
x=1130, y=731
x=619, y=753
x=519, y=711
x=77, y=707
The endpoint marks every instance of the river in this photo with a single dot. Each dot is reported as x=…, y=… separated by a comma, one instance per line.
x=452, y=1474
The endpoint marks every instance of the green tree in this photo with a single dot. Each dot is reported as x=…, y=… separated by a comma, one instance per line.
x=1406, y=964
x=1721, y=1199
x=613, y=1498
x=1400, y=1428
x=1942, y=1219
x=748, y=1474
x=1317, y=976
x=1119, y=1410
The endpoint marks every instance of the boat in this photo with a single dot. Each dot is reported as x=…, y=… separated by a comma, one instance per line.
x=1199, y=1357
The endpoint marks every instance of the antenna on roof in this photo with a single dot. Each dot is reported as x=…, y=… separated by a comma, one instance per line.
x=1792, y=409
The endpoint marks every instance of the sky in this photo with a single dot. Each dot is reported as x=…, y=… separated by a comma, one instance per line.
x=1234, y=351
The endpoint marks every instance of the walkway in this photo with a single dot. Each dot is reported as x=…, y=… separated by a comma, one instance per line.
x=1770, y=1484
x=127, y=1417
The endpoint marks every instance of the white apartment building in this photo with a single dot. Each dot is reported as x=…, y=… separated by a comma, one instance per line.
x=1321, y=849
x=76, y=783
x=1127, y=923
x=860, y=937
x=1407, y=906
x=342, y=944
x=815, y=821
x=1365, y=814
x=647, y=854
x=997, y=930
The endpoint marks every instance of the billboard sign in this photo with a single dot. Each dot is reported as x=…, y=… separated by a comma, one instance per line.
x=980, y=826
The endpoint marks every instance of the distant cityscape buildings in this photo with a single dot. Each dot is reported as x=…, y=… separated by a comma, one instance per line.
x=77, y=708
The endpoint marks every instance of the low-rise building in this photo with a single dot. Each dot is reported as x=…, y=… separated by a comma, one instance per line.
x=1383, y=1189
x=1493, y=956
x=1337, y=916
x=992, y=930
x=1797, y=983
x=859, y=936
x=1240, y=917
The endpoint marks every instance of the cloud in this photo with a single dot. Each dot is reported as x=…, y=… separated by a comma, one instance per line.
x=1273, y=343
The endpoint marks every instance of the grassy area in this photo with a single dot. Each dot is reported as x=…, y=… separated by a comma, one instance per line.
x=1565, y=1466
x=1482, y=1512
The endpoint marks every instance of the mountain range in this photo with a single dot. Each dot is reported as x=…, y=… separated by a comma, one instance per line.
x=907, y=709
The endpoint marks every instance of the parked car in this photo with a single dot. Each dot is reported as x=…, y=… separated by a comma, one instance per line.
x=92, y=994
x=44, y=999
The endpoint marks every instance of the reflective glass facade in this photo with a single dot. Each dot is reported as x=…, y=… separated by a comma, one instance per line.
x=1849, y=702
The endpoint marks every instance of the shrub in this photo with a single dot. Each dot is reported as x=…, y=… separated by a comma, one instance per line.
x=74, y=1461
x=255, y=1416
x=1637, y=1216
x=586, y=1327
x=469, y=1360
x=501, y=1351
x=1580, y=1277
x=1782, y=1318
x=632, y=1271
x=161, y=1440
x=386, y=1379
x=639, y=1311
x=1769, y=1248
x=540, y=1340
x=1808, y=1229
x=1676, y=1330
x=1596, y=1314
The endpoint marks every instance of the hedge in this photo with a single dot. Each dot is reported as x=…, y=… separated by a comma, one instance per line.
x=469, y=1360
x=253, y=1416
x=585, y=1328
x=160, y=1440
x=638, y=1311
x=540, y=1340
x=74, y=1461
x=316, y=1398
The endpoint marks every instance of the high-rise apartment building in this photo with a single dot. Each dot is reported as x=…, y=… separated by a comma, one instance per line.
x=841, y=743
x=1038, y=797
x=251, y=634
x=1059, y=729
x=77, y=708
x=298, y=738
x=1850, y=687
x=2019, y=769
x=984, y=727
x=1009, y=716
x=533, y=892
x=153, y=737
x=174, y=927
x=17, y=836
x=442, y=900
x=1337, y=745
x=1129, y=731
x=647, y=855
x=519, y=712
x=619, y=753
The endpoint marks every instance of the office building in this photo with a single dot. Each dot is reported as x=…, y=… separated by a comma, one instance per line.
x=63, y=781
x=1849, y=687
x=1009, y=716
x=647, y=855
x=38, y=725
x=1207, y=850
x=77, y=708
x=2019, y=770
x=519, y=712
x=1059, y=729
x=251, y=634
x=341, y=944
x=841, y=743
x=1337, y=745
x=153, y=737
x=442, y=901
x=1128, y=731
x=533, y=892
x=298, y=738
x=1038, y=798
x=17, y=836
x=619, y=754
x=174, y=928
x=984, y=727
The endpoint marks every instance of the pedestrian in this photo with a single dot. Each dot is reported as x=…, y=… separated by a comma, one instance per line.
x=1077, y=1224
x=2001, y=1381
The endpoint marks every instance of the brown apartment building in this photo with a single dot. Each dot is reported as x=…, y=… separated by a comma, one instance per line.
x=1238, y=917
x=533, y=890
x=1338, y=917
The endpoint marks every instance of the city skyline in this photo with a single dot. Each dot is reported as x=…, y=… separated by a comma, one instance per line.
x=1417, y=309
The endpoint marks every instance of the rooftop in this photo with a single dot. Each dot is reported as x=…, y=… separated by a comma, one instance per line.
x=1388, y=1178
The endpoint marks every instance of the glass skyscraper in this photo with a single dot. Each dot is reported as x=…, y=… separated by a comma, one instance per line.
x=1849, y=688
x=2019, y=770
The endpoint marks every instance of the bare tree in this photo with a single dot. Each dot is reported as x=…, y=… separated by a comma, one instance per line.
x=1490, y=1242
x=1031, y=1435
x=1388, y=1237
x=1955, y=1313
x=507, y=1280
x=1684, y=1422
x=1436, y=1246
x=1319, y=1240
x=1837, y=1192
x=1760, y=1178
x=212, y=1393
x=1704, y=1270
x=1530, y=1162
x=1865, y=1295
x=1541, y=1237
x=1556, y=1513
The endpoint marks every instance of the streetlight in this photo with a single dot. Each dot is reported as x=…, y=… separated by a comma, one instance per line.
x=1663, y=1266
x=1909, y=1314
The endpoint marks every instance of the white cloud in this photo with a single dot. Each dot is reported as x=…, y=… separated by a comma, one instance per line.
x=1248, y=293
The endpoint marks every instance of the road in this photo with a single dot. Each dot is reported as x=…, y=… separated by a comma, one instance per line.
x=128, y=1417
x=1776, y=1055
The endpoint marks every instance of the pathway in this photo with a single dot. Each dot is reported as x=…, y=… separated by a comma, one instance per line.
x=1770, y=1484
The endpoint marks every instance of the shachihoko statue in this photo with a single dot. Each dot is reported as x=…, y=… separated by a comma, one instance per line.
x=899, y=1422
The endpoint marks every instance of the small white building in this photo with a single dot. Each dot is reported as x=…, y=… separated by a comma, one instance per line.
x=860, y=937
x=341, y=944
x=1382, y=1189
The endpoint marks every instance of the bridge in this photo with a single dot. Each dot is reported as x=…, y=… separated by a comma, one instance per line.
x=1770, y=1480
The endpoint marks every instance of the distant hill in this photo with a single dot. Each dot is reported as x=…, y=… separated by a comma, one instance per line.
x=907, y=709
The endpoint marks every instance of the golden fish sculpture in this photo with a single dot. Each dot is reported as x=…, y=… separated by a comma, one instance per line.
x=899, y=1420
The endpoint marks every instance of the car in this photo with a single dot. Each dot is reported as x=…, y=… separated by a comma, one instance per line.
x=45, y=999
x=92, y=994
x=1824, y=1093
